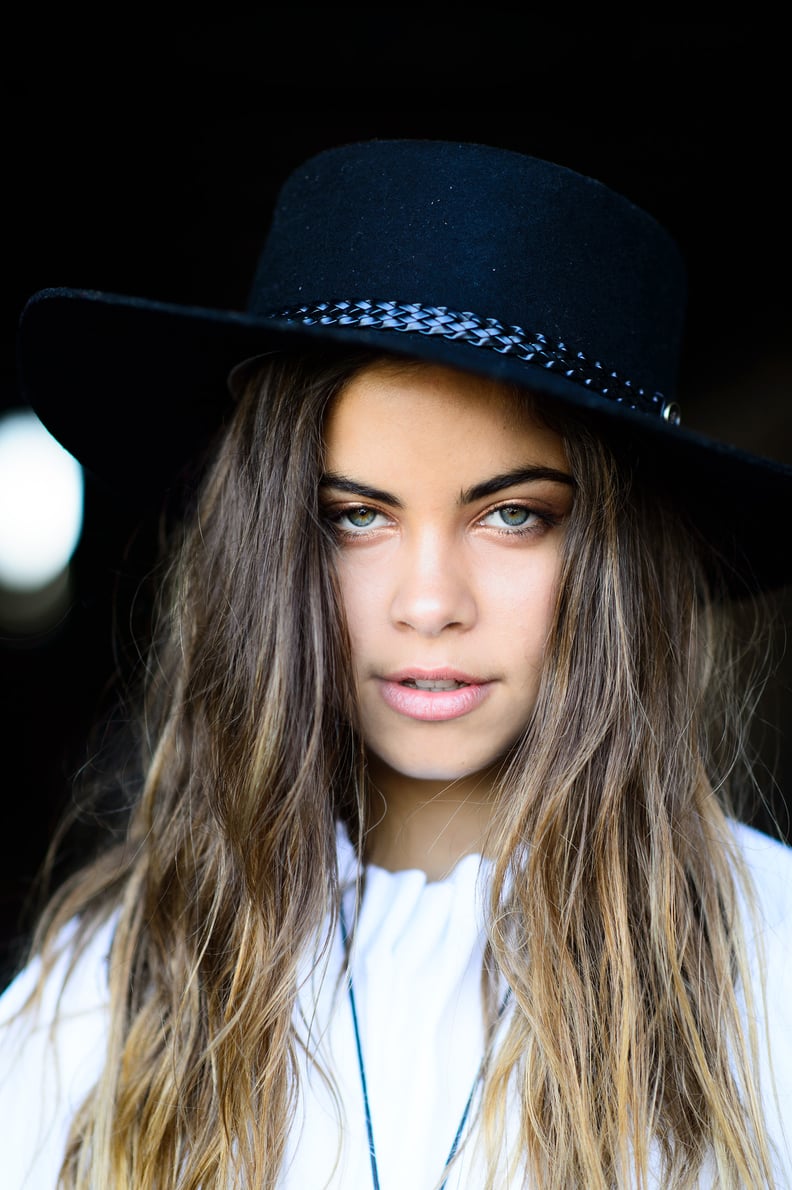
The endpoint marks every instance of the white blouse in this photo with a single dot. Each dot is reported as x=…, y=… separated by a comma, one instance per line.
x=416, y=965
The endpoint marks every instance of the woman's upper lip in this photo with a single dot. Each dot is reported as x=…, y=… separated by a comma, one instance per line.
x=442, y=674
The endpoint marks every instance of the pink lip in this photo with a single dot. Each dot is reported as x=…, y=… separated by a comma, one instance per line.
x=433, y=705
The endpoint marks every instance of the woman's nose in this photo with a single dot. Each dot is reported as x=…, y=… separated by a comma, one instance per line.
x=432, y=589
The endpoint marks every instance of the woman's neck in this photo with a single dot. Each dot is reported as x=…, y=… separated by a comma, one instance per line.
x=425, y=825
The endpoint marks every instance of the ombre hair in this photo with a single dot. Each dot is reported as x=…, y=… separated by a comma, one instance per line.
x=614, y=897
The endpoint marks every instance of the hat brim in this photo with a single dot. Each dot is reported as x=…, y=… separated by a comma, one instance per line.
x=136, y=390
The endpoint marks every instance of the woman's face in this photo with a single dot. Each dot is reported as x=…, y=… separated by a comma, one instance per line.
x=449, y=502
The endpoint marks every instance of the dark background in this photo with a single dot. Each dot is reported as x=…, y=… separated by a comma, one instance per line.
x=145, y=160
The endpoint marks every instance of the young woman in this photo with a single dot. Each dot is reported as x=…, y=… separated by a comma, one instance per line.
x=432, y=873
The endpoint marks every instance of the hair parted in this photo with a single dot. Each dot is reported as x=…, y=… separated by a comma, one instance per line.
x=615, y=890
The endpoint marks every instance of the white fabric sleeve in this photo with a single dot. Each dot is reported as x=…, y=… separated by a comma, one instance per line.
x=50, y=1056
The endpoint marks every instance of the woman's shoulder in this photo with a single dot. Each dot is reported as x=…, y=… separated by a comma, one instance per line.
x=53, y=1038
x=768, y=861
x=72, y=984
x=768, y=922
x=757, y=843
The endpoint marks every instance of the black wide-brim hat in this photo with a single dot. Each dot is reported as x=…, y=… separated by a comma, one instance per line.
x=464, y=254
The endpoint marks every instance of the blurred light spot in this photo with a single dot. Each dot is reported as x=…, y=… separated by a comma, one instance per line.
x=41, y=512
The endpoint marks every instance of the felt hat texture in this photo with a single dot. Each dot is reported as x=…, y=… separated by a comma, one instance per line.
x=471, y=255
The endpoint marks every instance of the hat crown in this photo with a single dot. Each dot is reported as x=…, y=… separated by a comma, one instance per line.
x=476, y=228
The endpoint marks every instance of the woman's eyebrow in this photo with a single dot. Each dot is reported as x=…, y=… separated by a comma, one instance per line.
x=508, y=478
x=331, y=479
x=479, y=491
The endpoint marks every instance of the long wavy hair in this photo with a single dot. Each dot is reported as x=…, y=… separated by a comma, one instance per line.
x=614, y=897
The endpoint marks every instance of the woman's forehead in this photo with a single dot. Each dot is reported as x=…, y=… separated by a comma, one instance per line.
x=432, y=410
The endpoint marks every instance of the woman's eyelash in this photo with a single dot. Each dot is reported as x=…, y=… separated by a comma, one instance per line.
x=515, y=519
x=519, y=519
x=340, y=519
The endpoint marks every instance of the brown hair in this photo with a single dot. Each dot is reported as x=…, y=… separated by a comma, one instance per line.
x=614, y=899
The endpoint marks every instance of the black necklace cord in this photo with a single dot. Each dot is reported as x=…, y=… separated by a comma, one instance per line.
x=364, y=1084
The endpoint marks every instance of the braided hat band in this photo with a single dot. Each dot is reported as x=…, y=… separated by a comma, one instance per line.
x=490, y=334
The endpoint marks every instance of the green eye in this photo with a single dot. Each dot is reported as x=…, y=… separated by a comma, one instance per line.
x=361, y=517
x=513, y=515
x=514, y=518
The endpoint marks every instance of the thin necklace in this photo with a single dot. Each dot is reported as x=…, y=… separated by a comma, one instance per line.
x=364, y=1085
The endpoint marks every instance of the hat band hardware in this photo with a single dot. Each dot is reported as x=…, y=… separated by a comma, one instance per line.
x=533, y=348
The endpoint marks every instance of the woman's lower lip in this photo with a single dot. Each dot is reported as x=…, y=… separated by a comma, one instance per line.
x=433, y=705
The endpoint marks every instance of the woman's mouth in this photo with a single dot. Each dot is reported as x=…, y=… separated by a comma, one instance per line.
x=433, y=697
x=433, y=684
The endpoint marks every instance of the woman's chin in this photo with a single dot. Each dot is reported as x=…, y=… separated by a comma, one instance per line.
x=430, y=771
